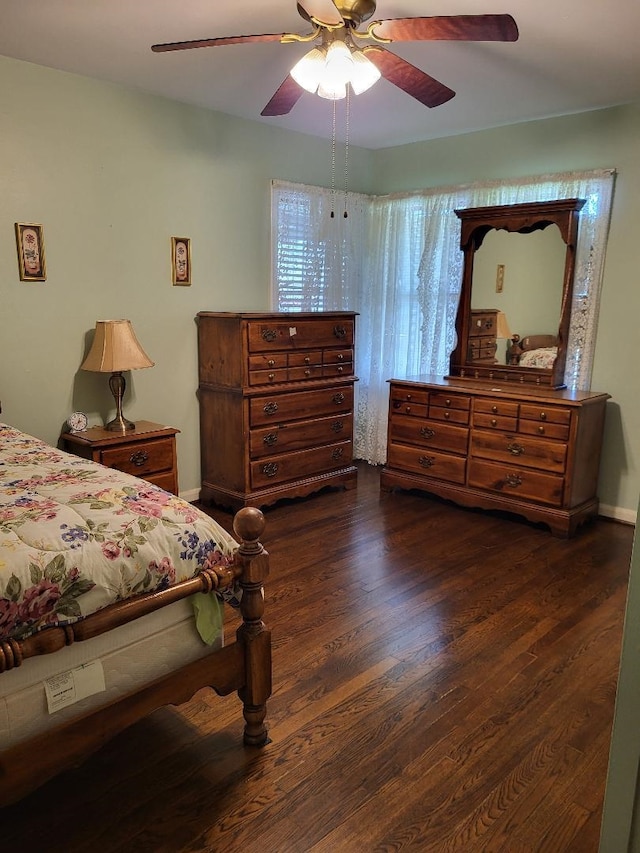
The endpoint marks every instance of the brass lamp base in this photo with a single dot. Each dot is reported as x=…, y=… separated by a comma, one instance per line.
x=117, y=384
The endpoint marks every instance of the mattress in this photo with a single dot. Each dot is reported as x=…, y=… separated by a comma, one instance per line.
x=131, y=656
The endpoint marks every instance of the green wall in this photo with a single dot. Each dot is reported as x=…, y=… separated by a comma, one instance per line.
x=113, y=173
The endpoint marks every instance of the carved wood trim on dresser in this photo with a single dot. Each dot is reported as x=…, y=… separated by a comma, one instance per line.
x=531, y=451
x=276, y=405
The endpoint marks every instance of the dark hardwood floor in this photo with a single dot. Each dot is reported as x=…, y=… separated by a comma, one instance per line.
x=444, y=680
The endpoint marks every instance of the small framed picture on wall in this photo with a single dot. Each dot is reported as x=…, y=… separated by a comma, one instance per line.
x=30, y=245
x=181, y=260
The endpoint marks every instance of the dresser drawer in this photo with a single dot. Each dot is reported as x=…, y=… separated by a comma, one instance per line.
x=441, y=466
x=309, y=371
x=338, y=356
x=456, y=416
x=268, y=377
x=450, y=401
x=514, y=482
x=409, y=402
x=485, y=421
x=516, y=449
x=496, y=407
x=265, y=335
x=300, y=405
x=141, y=458
x=268, y=361
x=283, y=438
x=409, y=430
x=549, y=430
x=483, y=323
x=482, y=349
x=547, y=415
x=304, y=463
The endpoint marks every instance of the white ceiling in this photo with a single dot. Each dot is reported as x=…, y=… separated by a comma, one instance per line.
x=572, y=55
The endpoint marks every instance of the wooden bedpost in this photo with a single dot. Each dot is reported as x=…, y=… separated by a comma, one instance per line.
x=252, y=635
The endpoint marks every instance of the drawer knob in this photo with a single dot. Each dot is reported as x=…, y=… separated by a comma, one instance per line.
x=338, y=398
x=307, y=360
x=337, y=452
x=270, y=408
x=271, y=363
x=541, y=429
x=494, y=422
x=543, y=416
x=494, y=409
x=515, y=449
x=270, y=439
x=139, y=458
x=337, y=426
x=340, y=332
x=427, y=432
x=269, y=335
x=447, y=402
x=407, y=410
x=340, y=369
x=426, y=461
x=270, y=469
x=272, y=376
x=513, y=480
x=340, y=357
x=307, y=372
x=447, y=415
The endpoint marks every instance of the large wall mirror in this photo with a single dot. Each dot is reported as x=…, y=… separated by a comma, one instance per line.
x=515, y=303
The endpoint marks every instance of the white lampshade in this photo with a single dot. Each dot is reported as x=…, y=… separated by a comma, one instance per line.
x=364, y=73
x=309, y=70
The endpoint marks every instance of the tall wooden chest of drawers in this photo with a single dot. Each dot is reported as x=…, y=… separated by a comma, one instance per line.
x=276, y=405
x=529, y=450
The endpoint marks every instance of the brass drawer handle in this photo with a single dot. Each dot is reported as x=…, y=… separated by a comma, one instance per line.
x=269, y=335
x=270, y=408
x=307, y=372
x=270, y=469
x=427, y=432
x=338, y=398
x=494, y=409
x=494, y=422
x=139, y=458
x=340, y=357
x=447, y=415
x=513, y=480
x=426, y=461
x=340, y=332
x=307, y=360
x=271, y=363
x=541, y=429
x=270, y=439
x=543, y=416
x=272, y=376
x=515, y=449
x=337, y=426
x=337, y=452
x=340, y=369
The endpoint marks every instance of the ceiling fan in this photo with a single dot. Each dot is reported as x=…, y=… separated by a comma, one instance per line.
x=339, y=55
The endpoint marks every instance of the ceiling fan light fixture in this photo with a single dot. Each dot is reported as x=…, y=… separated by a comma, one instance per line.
x=364, y=73
x=331, y=91
x=338, y=66
x=309, y=70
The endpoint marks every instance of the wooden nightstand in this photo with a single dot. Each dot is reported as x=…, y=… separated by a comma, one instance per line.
x=148, y=451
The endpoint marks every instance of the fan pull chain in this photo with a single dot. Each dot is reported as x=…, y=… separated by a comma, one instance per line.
x=346, y=151
x=333, y=163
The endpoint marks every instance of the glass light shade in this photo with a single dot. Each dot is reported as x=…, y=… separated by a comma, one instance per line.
x=338, y=66
x=309, y=70
x=364, y=73
x=332, y=93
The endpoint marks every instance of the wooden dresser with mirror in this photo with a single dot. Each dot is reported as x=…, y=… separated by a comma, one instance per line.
x=499, y=435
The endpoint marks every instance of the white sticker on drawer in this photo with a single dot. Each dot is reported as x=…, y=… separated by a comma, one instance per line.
x=71, y=686
x=292, y=331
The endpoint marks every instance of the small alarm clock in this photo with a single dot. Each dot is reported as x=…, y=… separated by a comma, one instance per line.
x=77, y=421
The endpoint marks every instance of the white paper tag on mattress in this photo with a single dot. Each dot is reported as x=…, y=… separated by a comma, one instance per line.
x=73, y=685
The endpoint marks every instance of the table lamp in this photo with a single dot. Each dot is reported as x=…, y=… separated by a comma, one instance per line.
x=115, y=348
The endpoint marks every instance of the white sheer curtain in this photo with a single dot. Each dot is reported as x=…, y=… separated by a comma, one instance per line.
x=397, y=261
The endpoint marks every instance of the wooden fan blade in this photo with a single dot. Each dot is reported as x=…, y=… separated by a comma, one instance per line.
x=449, y=27
x=187, y=45
x=410, y=79
x=284, y=99
x=324, y=11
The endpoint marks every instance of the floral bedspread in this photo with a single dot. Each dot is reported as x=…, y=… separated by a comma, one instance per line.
x=76, y=536
x=543, y=357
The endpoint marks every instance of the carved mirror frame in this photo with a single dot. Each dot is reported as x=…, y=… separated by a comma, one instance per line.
x=476, y=222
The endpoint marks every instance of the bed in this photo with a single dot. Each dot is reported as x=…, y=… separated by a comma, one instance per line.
x=533, y=351
x=112, y=600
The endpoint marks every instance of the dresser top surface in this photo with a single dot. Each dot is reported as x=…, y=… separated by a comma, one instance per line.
x=521, y=391
x=277, y=315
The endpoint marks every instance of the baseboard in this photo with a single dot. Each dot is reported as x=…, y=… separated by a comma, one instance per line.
x=617, y=513
x=191, y=496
